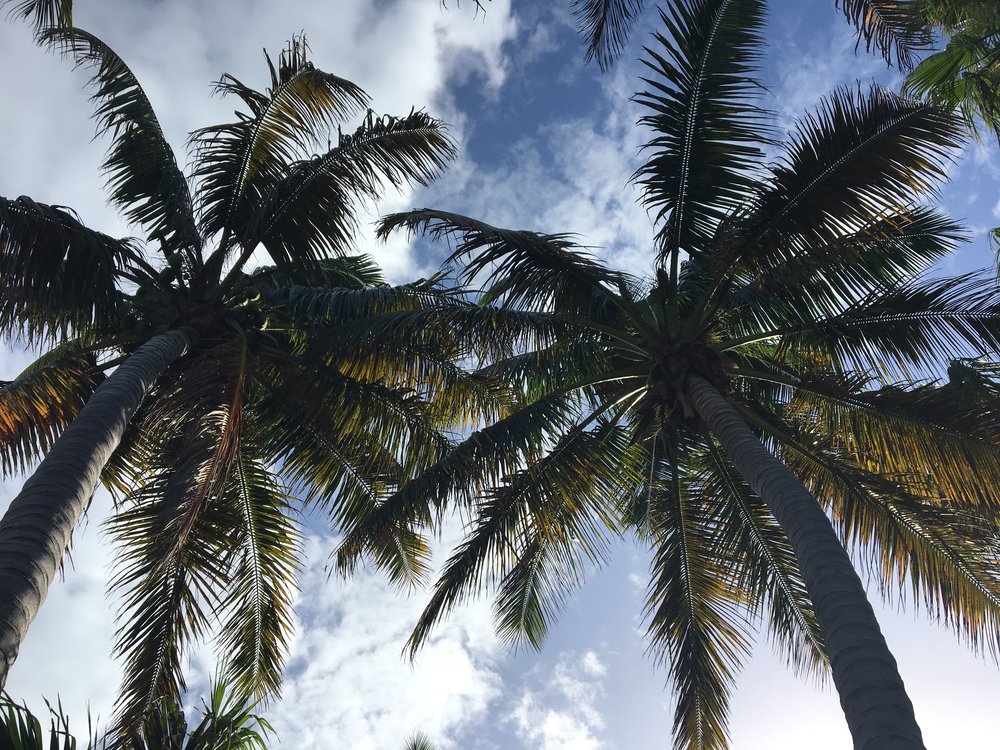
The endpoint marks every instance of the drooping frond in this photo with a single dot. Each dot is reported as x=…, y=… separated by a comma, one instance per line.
x=896, y=29
x=254, y=638
x=144, y=179
x=695, y=626
x=763, y=565
x=42, y=14
x=312, y=211
x=555, y=513
x=948, y=557
x=524, y=269
x=941, y=438
x=478, y=462
x=56, y=274
x=605, y=25
x=700, y=107
x=177, y=528
x=39, y=403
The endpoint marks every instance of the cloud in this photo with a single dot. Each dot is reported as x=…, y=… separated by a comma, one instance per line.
x=563, y=713
x=347, y=684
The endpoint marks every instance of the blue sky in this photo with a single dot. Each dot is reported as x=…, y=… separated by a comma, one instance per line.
x=546, y=144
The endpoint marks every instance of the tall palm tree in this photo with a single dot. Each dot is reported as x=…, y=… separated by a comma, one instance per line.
x=227, y=723
x=759, y=384
x=236, y=393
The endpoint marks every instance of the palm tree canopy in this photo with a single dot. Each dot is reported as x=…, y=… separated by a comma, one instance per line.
x=803, y=290
x=308, y=381
x=227, y=723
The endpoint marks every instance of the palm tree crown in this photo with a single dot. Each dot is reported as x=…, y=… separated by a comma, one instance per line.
x=307, y=380
x=790, y=310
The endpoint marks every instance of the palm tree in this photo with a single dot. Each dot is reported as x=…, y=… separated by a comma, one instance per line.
x=227, y=723
x=237, y=394
x=965, y=74
x=731, y=405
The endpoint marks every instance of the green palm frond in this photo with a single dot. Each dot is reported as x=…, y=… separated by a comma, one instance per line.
x=535, y=533
x=39, y=403
x=311, y=211
x=42, y=14
x=964, y=75
x=917, y=324
x=700, y=107
x=238, y=163
x=144, y=179
x=847, y=270
x=348, y=272
x=21, y=730
x=896, y=29
x=769, y=574
x=605, y=25
x=419, y=741
x=254, y=638
x=948, y=556
x=229, y=723
x=57, y=275
x=695, y=624
x=858, y=158
x=483, y=459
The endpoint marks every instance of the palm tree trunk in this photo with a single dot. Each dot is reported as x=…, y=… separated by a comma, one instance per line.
x=35, y=531
x=878, y=710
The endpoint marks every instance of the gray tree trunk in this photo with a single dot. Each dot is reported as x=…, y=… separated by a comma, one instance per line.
x=35, y=531
x=878, y=710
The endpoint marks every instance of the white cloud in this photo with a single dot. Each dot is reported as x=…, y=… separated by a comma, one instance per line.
x=347, y=684
x=563, y=714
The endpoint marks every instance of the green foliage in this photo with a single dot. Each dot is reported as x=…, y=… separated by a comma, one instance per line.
x=802, y=290
x=308, y=381
x=227, y=723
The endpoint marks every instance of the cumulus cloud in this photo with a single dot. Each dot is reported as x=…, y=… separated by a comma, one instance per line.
x=562, y=712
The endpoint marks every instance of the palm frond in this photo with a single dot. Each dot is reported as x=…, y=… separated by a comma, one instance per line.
x=524, y=269
x=763, y=565
x=937, y=437
x=922, y=324
x=948, y=556
x=707, y=130
x=858, y=159
x=39, y=403
x=896, y=29
x=311, y=211
x=255, y=636
x=42, y=14
x=605, y=25
x=822, y=280
x=536, y=532
x=144, y=179
x=229, y=723
x=347, y=272
x=964, y=75
x=56, y=273
x=238, y=163
x=483, y=459
x=693, y=613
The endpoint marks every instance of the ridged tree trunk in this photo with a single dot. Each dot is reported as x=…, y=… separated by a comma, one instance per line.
x=35, y=531
x=878, y=710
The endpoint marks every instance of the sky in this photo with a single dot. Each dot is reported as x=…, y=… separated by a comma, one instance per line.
x=546, y=143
